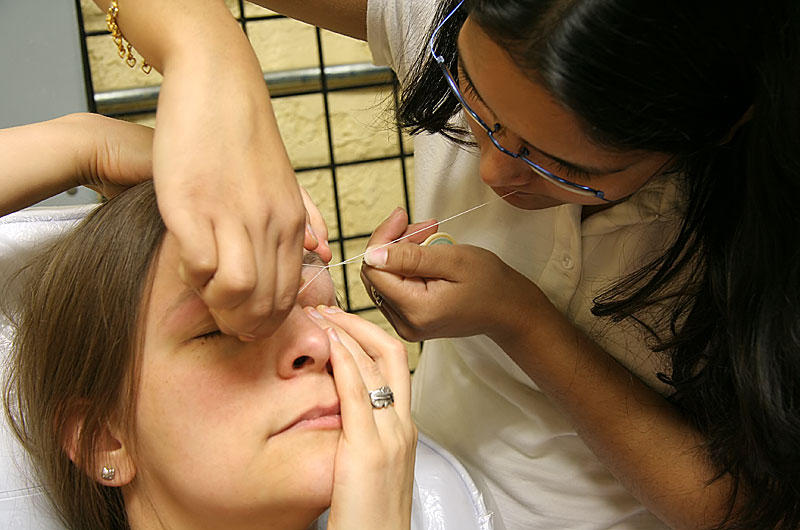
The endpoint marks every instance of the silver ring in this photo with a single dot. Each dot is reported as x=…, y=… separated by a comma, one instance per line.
x=375, y=296
x=382, y=397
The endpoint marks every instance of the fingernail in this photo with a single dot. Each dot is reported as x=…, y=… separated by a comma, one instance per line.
x=377, y=257
x=334, y=335
x=314, y=313
x=331, y=309
x=311, y=232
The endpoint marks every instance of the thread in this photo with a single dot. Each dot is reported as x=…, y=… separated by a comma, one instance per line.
x=323, y=268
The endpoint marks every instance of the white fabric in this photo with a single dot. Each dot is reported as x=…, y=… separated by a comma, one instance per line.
x=445, y=497
x=468, y=395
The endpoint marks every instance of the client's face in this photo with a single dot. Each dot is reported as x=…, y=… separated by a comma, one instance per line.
x=229, y=433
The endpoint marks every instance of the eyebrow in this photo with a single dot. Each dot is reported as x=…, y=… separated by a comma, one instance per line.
x=585, y=169
x=312, y=258
x=309, y=258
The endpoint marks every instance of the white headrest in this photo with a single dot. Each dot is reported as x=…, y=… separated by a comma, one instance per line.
x=445, y=496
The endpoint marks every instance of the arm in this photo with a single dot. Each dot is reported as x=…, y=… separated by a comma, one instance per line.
x=348, y=17
x=225, y=186
x=642, y=439
x=40, y=160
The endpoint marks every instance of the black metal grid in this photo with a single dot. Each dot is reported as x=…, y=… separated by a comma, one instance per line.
x=333, y=165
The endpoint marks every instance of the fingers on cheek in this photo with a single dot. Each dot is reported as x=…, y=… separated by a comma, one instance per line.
x=344, y=366
x=339, y=340
x=370, y=337
x=317, y=318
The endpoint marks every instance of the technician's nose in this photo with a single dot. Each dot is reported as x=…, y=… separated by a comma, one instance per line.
x=499, y=170
x=302, y=345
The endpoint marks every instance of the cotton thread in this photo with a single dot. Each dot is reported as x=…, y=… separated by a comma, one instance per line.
x=323, y=268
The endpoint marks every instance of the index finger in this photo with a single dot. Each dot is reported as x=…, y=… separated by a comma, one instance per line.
x=388, y=353
x=197, y=247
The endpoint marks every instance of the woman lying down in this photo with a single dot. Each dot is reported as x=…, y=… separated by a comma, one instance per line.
x=139, y=414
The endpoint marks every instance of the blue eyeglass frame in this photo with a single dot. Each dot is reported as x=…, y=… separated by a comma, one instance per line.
x=564, y=184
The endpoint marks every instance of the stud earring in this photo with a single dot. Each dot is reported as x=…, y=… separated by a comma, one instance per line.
x=108, y=473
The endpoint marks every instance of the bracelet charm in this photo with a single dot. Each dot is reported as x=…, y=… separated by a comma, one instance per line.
x=124, y=48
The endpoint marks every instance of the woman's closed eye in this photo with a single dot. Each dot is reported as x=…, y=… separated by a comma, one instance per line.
x=213, y=334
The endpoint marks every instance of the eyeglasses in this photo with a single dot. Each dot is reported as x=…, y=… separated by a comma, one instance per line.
x=523, y=153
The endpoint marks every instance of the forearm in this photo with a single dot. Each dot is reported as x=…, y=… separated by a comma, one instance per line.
x=182, y=31
x=38, y=161
x=348, y=17
x=198, y=46
x=212, y=77
x=642, y=439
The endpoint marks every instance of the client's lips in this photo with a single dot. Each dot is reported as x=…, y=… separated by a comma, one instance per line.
x=316, y=418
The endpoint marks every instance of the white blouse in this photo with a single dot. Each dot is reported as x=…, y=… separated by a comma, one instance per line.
x=468, y=394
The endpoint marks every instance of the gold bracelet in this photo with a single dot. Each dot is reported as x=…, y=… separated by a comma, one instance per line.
x=124, y=47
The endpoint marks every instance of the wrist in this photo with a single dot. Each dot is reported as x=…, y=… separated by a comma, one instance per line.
x=526, y=316
x=82, y=130
x=212, y=45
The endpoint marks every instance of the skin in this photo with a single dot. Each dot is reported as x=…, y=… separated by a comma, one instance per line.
x=43, y=159
x=205, y=448
x=206, y=454
x=225, y=186
x=542, y=125
x=632, y=429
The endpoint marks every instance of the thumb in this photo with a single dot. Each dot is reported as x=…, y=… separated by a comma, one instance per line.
x=410, y=260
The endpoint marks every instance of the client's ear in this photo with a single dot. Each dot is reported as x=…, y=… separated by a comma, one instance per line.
x=112, y=458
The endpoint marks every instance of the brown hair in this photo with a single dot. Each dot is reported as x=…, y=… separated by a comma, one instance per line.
x=75, y=350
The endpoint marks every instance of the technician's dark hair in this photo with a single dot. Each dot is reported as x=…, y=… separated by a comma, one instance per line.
x=678, y=77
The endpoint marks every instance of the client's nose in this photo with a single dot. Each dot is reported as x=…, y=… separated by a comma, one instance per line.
x=302, y=345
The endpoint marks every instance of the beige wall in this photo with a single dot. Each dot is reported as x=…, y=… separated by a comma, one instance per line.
x=361, y=128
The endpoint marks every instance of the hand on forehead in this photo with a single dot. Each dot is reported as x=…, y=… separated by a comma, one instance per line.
x=173, y=299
